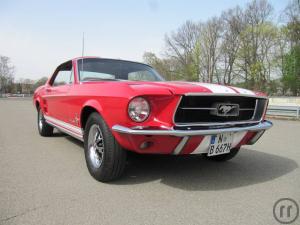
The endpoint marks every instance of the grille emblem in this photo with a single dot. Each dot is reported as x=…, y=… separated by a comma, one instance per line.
x=225, y=109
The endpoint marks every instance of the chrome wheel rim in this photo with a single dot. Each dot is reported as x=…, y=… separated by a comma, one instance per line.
x=41, y=120
x=95, y=146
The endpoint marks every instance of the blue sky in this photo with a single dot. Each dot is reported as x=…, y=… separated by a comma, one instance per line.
x=39, y=35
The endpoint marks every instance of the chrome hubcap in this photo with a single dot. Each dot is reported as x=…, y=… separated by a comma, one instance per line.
x=95, y=146
x=40, y=120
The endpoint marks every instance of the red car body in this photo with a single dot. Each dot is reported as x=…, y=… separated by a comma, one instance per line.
x=66, y=107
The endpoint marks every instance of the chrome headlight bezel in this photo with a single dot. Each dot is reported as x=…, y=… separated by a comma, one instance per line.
x=138, y=109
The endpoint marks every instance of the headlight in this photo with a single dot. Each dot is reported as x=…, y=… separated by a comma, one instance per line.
x=138, y=109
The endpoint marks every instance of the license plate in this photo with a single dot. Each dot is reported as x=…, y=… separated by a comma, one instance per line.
x=220, y=144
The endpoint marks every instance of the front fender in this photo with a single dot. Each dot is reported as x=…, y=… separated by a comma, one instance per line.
x=94, y=104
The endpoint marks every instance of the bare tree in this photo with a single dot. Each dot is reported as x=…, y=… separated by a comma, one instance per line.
x=256, y=44
x=210, y=40
x=39, y=83
x=180, y=47
x=233, y=24
x=166, y=67
x=6, y=74
x=292, y=15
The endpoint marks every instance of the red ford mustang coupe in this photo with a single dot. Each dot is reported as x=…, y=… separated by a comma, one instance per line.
x=115, y=106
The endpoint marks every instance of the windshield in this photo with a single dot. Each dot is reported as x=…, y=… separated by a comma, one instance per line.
x=109, y=69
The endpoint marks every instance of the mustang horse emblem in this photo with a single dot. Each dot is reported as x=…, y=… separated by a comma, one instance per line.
x=228, y=110
x=224, y=109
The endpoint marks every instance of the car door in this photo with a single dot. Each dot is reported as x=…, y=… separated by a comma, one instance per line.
x=57, y=92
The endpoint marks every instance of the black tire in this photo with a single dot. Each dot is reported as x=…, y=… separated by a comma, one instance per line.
x=105, y=158
x=44, y=128
x=224, y=157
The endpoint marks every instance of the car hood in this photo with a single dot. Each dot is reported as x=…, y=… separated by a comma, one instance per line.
x=180, y=88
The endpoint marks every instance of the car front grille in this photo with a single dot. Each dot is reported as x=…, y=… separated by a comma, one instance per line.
x=203, y=110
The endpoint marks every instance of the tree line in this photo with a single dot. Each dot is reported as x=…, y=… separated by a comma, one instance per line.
x=9, y=85
x=250, y=47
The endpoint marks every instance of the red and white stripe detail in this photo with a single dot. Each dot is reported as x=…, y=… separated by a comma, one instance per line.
x=70, y=129
x=221, y=89
x=243, y=91
x=215, y=88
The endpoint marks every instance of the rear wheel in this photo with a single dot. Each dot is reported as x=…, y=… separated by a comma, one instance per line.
x=104, y=157
x=224, y=157
x=44, y=128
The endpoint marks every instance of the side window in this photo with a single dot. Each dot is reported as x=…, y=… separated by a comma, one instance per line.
x=64, y=75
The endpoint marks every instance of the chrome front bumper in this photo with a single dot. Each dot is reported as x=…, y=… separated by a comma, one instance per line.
x=262, y=126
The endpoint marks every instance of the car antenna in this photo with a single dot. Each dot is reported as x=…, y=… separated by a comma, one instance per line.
x=82, y=53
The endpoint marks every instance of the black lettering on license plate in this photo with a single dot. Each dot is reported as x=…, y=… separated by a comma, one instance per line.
x=219, y=149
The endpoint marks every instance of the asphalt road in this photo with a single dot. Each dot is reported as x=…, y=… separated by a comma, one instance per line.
x=45, y=180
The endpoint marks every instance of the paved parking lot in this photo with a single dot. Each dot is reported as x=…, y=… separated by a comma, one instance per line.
x=45, y=180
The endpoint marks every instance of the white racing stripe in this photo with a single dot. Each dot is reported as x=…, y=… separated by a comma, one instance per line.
x=220, y=89
x=215, y=88
x=243, y=91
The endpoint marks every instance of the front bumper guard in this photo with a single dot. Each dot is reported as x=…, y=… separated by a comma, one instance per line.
x=262, y=126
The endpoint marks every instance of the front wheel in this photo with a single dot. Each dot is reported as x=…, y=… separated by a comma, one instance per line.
x=224, y=157
x=104, y=157
x=44, y=128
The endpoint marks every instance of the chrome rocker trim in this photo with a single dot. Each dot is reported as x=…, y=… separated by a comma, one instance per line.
x=64, y=127
x=265, y=125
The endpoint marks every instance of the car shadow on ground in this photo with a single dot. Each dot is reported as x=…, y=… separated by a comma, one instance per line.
x=57, y=134
x=196, y=173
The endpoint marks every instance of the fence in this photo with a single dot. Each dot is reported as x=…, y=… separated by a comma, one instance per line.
x=287, y=111
x=15, y=95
